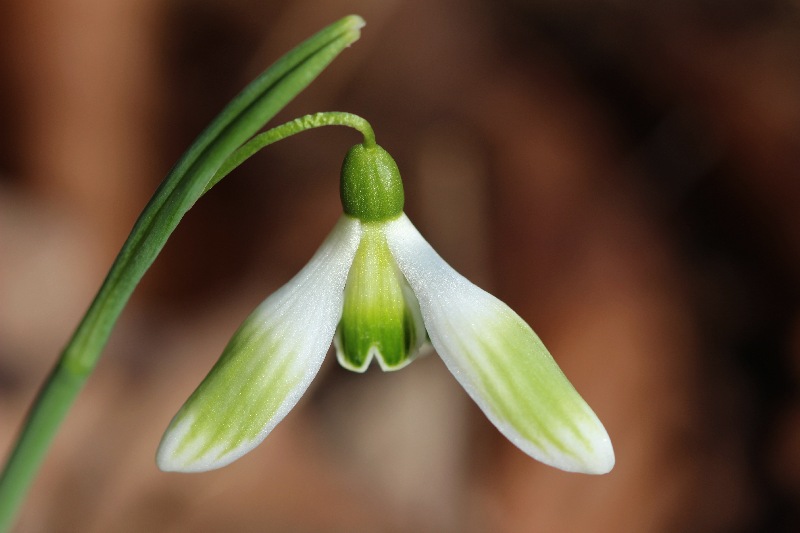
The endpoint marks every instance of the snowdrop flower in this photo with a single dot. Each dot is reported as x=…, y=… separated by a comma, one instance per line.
x=379, y=291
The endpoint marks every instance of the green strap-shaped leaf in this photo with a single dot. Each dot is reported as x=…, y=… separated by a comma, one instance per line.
x=186, y=182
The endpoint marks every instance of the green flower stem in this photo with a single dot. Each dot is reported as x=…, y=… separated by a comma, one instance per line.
x=317, y=120
x=187, y=181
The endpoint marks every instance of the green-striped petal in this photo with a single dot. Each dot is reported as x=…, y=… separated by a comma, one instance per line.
x=268, y=364
x=500, y=362
x=381, y=316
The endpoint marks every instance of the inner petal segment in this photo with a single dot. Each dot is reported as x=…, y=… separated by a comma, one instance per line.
x=381, y=316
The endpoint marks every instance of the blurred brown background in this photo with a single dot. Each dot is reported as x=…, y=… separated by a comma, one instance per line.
x=624, y=174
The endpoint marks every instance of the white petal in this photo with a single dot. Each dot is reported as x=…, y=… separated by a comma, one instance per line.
x=267, y=366
x=500, y=362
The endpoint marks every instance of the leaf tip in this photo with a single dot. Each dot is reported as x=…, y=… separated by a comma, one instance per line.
x=354, y=22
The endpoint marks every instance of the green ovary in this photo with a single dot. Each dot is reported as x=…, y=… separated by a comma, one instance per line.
x=381, y=315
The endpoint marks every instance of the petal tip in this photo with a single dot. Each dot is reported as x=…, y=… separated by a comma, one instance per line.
x=602, y=460
x=181, y=452
x=595, y=456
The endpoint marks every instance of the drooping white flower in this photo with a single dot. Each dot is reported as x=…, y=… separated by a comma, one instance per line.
x=378, y=290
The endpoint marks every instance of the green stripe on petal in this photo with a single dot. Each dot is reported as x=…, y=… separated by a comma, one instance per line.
x=266, y=367
x=381, y=316
x=500, y=362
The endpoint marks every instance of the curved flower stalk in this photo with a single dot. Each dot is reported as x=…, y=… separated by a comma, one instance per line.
x=379, y=291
